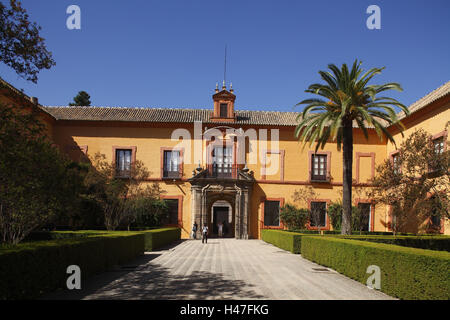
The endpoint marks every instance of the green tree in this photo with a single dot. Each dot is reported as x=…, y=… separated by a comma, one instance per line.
x=417, y=187
x=81, y=99
x=335, y=215
x=335, y=211
x=293, y=217
x=36, y=182
x=21, y=46
x=122, y=198
x=348, y=100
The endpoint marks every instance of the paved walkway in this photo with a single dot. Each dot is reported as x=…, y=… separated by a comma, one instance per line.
x=221, y=269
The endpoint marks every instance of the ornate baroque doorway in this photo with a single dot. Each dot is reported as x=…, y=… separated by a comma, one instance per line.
x=215, y=199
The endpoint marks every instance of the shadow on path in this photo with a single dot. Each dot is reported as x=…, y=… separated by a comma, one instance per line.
x=144, y=279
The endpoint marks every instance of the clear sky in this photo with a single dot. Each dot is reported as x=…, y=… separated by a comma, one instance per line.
x=171, y=53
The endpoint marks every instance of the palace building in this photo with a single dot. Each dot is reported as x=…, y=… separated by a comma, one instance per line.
x=224, y=164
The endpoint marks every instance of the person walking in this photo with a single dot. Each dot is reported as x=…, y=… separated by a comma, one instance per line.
x=205, y=234
x=220, y=226
x=194, y=230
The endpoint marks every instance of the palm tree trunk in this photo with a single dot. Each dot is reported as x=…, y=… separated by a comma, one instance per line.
x=347, y=146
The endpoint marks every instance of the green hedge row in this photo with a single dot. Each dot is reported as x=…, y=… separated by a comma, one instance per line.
x=30, y=269
x=54, y=235
x=290, y=241
x=440, y=243
x=406, y=273
x=158, y=238
x=367, y=233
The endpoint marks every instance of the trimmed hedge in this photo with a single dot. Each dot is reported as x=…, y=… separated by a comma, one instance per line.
x=54, y=235
x=290, y=241
x=406, y=273
x=158, y=238
x=367, y=233
x=440, y=243
x=31, y=269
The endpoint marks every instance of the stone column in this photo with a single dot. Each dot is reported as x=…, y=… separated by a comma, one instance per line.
x=196, y=195
x=204, y=213
x=237, y=217
x=245, y=214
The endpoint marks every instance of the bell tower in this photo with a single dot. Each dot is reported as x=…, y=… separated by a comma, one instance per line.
x=223, y=104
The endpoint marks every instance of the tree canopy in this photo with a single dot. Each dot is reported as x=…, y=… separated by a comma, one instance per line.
x=416, y=186
x=81, y=99
x=21, y=46
x=346, y=99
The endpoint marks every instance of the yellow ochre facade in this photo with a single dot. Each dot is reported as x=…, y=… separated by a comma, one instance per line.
x=205, y=176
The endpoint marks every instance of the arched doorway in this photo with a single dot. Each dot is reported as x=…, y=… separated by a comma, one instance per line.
x=221, y=212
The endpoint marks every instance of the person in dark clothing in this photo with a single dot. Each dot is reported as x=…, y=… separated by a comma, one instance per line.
x=194, y=230
x=225, y=228
x=205, y=234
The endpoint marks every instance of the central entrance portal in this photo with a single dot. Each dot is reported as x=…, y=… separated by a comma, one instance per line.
x=222, y=214
x=223, y=200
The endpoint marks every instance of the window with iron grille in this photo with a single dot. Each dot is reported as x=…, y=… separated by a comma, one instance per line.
x=272, y=213
x=172, y=164
x=172, y=211
x=364, y=216
x=319, y=167
x=435, y=164
x=123, y=162
x=222, y=161
x=318, y=214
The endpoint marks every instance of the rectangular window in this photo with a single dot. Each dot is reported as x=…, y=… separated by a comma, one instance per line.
x=172, y=164
x=436, y=221
x=123, y=162
x=172, y=212
x=318, y=213
x=438, y=145
x=272, y=213
x=435, y=165
x=222, y=161
x=395, y=163
x=319, y=167
x=363, y=221
x=224, y=110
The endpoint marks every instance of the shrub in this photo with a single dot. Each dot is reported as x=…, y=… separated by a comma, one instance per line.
x=440, y=243
x=335, y=215
x=286, y=240
x=292, y=217
x=406, y=273
x=29, y=269
x=158, y=238
x=149, y=212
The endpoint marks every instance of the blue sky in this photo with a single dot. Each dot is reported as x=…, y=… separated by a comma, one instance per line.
x=170, y=53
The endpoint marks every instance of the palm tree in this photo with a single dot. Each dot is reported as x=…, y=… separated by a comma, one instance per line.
x=349, y=101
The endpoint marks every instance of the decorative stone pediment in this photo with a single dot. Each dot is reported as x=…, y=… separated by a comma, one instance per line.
x=224, y=95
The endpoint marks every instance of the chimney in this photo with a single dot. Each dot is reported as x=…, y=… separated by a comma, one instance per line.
x=34, y=100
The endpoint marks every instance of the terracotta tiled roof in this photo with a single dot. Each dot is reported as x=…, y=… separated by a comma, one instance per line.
x=434, y=95
x=275, y=118
x=167, y=115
